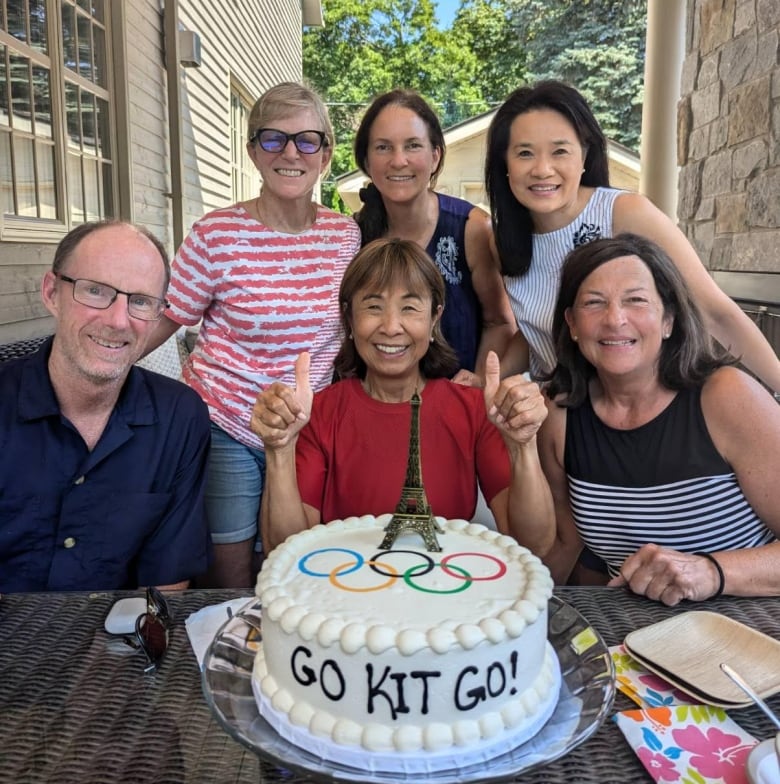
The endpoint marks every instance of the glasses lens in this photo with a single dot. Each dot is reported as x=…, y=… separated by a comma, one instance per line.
x=144, y=307
x=271, y=141
x=93, y=294
x=308, y=142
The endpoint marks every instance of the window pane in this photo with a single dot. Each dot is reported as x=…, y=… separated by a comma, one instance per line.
x=88, y=122
x=47, y=195
x=69, y=36
x=85, y=47
x=6, y=175
x=103, y=129
x=91, y=189
x=100, y=55
x=24, y=166
x=5, y=118
x=17, y=26
x=75, y=189
x=98, y=10
x=42, y=97
x=72, y=111
x=38, y=38
x=108, y=190
x=20, y=93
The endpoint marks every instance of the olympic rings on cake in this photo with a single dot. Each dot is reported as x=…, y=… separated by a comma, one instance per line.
x=380, y=565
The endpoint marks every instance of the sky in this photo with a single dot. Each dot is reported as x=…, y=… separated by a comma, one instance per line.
x=445, y=11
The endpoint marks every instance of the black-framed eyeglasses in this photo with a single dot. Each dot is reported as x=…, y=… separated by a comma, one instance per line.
x=101, y=296
x=153, y=628
x=273, y=140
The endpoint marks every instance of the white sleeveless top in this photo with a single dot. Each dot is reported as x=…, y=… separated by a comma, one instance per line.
x=534, y=294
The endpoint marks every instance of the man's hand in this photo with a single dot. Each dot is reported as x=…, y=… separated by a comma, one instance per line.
x=515, y=405
x=280, y=412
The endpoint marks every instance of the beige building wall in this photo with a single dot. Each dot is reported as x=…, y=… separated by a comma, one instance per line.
x=729, y=135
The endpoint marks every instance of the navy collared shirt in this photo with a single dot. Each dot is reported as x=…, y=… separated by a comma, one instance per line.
x=127, y=514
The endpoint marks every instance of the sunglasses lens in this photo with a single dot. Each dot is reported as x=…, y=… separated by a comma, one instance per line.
x=272, y=141
x=308, y=142
x=152, y=628
x=153, y=636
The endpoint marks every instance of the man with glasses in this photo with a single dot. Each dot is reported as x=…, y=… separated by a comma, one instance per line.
x=104, y=463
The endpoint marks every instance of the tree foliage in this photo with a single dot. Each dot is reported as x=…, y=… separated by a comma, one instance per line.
x=598, y=46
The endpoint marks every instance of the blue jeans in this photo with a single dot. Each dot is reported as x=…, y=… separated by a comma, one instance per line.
x=233, y=489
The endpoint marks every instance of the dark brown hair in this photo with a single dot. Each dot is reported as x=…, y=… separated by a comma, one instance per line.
x=687, y=357
x=372, y=218
x=512, y=223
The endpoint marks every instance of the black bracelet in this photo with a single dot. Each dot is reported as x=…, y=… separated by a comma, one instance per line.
x=721, y=577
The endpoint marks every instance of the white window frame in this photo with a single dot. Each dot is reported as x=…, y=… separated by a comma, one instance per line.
x=17, y=228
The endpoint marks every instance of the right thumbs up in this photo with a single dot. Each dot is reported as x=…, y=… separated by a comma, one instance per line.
x=303, y=391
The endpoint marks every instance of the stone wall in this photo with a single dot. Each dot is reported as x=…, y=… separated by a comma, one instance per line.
x=729, y=134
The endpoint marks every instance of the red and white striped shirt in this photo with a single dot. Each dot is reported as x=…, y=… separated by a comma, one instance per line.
x=264, y=297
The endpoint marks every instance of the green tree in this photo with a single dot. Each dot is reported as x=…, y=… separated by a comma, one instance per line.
x=486, y=29
x=598, y=46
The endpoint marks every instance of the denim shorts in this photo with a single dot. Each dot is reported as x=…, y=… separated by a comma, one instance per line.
x=233, y=489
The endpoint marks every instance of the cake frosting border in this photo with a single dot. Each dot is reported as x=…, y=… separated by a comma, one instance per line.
x=512, y=622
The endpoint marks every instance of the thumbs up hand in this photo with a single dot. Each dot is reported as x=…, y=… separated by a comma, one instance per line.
x=515, y=405
x=281, y=411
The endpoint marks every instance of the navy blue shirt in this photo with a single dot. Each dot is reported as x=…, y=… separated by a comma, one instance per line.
x=127, y=514
x=461, y=321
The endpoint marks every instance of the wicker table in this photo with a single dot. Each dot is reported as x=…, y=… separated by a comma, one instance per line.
x=72, y=709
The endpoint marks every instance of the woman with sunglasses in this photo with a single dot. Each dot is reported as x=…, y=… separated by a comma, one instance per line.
x=400, y=146
x=263, y=275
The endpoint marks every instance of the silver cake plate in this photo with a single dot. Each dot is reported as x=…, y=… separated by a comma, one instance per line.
x=587, y=693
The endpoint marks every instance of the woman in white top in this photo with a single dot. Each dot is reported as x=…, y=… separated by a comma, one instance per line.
x=548, y=183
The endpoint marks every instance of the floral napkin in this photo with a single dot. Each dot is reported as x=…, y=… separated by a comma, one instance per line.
x=675, y=739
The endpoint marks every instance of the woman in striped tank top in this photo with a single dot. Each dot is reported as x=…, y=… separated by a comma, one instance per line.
x=662, y=457
x=548, y=183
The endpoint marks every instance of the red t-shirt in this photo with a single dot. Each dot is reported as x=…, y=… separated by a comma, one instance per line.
x=352, y=456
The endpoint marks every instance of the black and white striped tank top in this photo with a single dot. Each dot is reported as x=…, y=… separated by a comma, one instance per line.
x=663, y=482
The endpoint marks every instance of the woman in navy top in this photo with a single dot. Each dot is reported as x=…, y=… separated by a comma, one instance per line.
x=400, y=146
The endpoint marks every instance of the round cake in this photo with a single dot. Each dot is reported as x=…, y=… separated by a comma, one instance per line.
x=402, y=659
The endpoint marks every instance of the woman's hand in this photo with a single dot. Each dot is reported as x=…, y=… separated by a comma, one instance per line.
x=280, y=411
x=515, y=405
x=467, y=379
x=668, y=576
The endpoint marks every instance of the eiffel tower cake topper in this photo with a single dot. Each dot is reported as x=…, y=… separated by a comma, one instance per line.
x=413, y=512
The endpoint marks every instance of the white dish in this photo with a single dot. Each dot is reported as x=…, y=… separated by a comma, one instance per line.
x=762, y=764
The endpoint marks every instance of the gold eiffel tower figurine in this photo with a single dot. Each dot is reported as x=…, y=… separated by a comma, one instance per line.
x=413, y=512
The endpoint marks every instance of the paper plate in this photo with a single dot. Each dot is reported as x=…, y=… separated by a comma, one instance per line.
x=687, y=650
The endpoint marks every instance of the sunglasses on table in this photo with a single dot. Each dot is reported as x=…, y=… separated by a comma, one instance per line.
x=152, y=629
x=273, y=140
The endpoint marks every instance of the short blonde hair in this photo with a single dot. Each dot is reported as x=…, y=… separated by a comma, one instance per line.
x=284, y=100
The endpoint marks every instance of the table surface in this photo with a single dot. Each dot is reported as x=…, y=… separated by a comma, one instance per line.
x=72, y=709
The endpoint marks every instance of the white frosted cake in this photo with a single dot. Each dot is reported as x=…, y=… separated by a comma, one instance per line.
x=403, y=659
